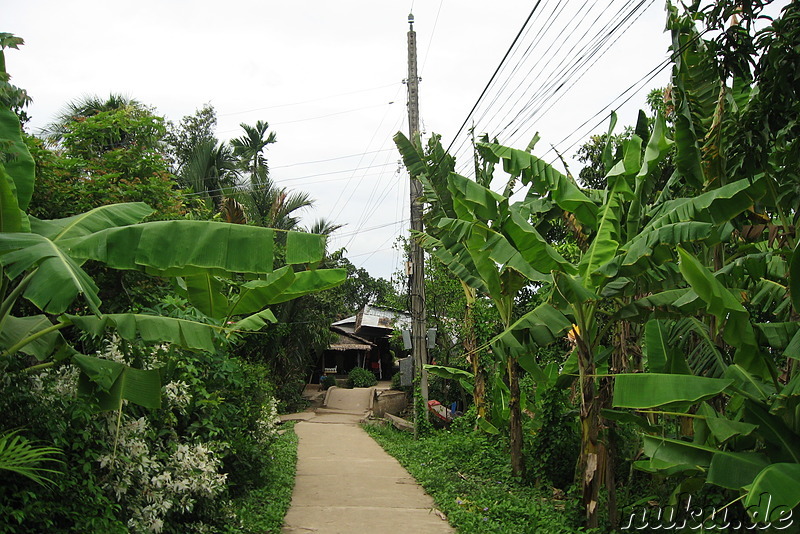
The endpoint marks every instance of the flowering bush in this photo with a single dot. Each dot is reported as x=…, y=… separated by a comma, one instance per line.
x=152, y=478
x=171, y=470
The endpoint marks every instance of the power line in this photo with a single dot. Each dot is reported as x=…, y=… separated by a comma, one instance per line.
x=491, y=79
x=331, y=159
x=309, y=101
x=319, y=116
x=246, y=187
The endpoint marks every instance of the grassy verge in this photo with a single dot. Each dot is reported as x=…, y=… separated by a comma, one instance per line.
x=469, y=477
x=263, y=509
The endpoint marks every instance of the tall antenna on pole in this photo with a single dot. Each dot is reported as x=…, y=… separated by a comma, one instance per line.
x=418, y=323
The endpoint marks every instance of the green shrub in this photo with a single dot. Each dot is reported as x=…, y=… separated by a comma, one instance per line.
x=361, y=378
x=555, y=443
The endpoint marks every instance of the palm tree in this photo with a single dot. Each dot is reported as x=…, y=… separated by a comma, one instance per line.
x=273, y=206
x=84, y=107
x=250, y=148
x=323, y=226
x=211, y=168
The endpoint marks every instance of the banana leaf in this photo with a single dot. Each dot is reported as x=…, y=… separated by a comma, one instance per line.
x=151, y=328
x=605, y=244
x=180, y=248
x=18, y=163
x=774, y=493
x=116, y=382
x=651, y=390
x=204, y=292
x=735, y=470
x=84, y=224
x=57, y=279
x=10, y=214
x=546, y=181
x=16, y=329
x=677, y=452
x=254, y=322
x=775, y=431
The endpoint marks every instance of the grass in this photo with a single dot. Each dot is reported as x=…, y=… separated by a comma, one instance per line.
x=263, y=509
x=469, y=477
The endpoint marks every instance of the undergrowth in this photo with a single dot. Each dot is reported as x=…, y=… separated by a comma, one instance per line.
x=263, y=508
x=469, y=477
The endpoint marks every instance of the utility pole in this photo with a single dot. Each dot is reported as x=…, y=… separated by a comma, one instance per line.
x=419, y=329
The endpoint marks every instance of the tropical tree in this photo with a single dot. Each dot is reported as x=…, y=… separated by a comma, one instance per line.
x=42, y=263
x=182, y=139
x=87, y=106
x=250, y=148
x=211, y=170
x=744, y=424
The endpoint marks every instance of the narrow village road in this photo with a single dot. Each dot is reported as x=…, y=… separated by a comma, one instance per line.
x=346, y=483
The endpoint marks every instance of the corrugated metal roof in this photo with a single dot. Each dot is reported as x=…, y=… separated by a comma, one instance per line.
x=379, y=317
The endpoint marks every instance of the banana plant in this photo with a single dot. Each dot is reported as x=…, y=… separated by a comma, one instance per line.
x=745, y=425
x=630, y=248
x=42, y=262
x=467, y=229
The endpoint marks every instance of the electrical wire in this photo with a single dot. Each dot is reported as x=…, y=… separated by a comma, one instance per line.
x=308, y=101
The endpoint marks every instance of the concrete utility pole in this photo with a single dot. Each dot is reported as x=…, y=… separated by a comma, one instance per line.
x=418, y=323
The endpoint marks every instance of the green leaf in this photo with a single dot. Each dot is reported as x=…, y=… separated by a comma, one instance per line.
x=533, y=248
x=256, y=294
x=778, y=335
x=482, y=203
x=774, y=430
x=18, y=162
x=254, y=322
x=448, y=373
x=678, y=452
x=718, y=206
x=10, y=218
x=538, y=328
x=119, y=381
x=303, y=247
x=605, y=244
x=751, y=386
x=205, y=293
x=629, y=418
x=411, y=157
x=58, y=279
x=20, y=456
x=151, y=329
x=486, y=426
x=15, y=329
x=194, y=247
x=650, y=390
x=656, y=345
x=306, y=282
x=723, y=428
x=84, y=224
x=738, y=330
x=794, y=278
x=735, y=470
x=546, y=181
x=774, y=493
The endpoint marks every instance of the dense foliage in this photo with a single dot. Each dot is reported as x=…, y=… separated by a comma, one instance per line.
x=664, y=279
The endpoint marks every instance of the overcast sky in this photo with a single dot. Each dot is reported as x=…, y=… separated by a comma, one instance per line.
x=328, y=77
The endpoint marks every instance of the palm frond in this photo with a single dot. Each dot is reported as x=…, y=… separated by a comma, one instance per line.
x=23, y=457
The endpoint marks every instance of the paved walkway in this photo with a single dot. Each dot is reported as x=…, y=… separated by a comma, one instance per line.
x=346, y=483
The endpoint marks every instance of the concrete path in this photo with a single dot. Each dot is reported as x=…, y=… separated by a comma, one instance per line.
x=346, y=483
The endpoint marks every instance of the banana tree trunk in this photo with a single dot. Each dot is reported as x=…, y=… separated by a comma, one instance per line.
x=593, y=456
x=470, y=344
x=515, y=419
